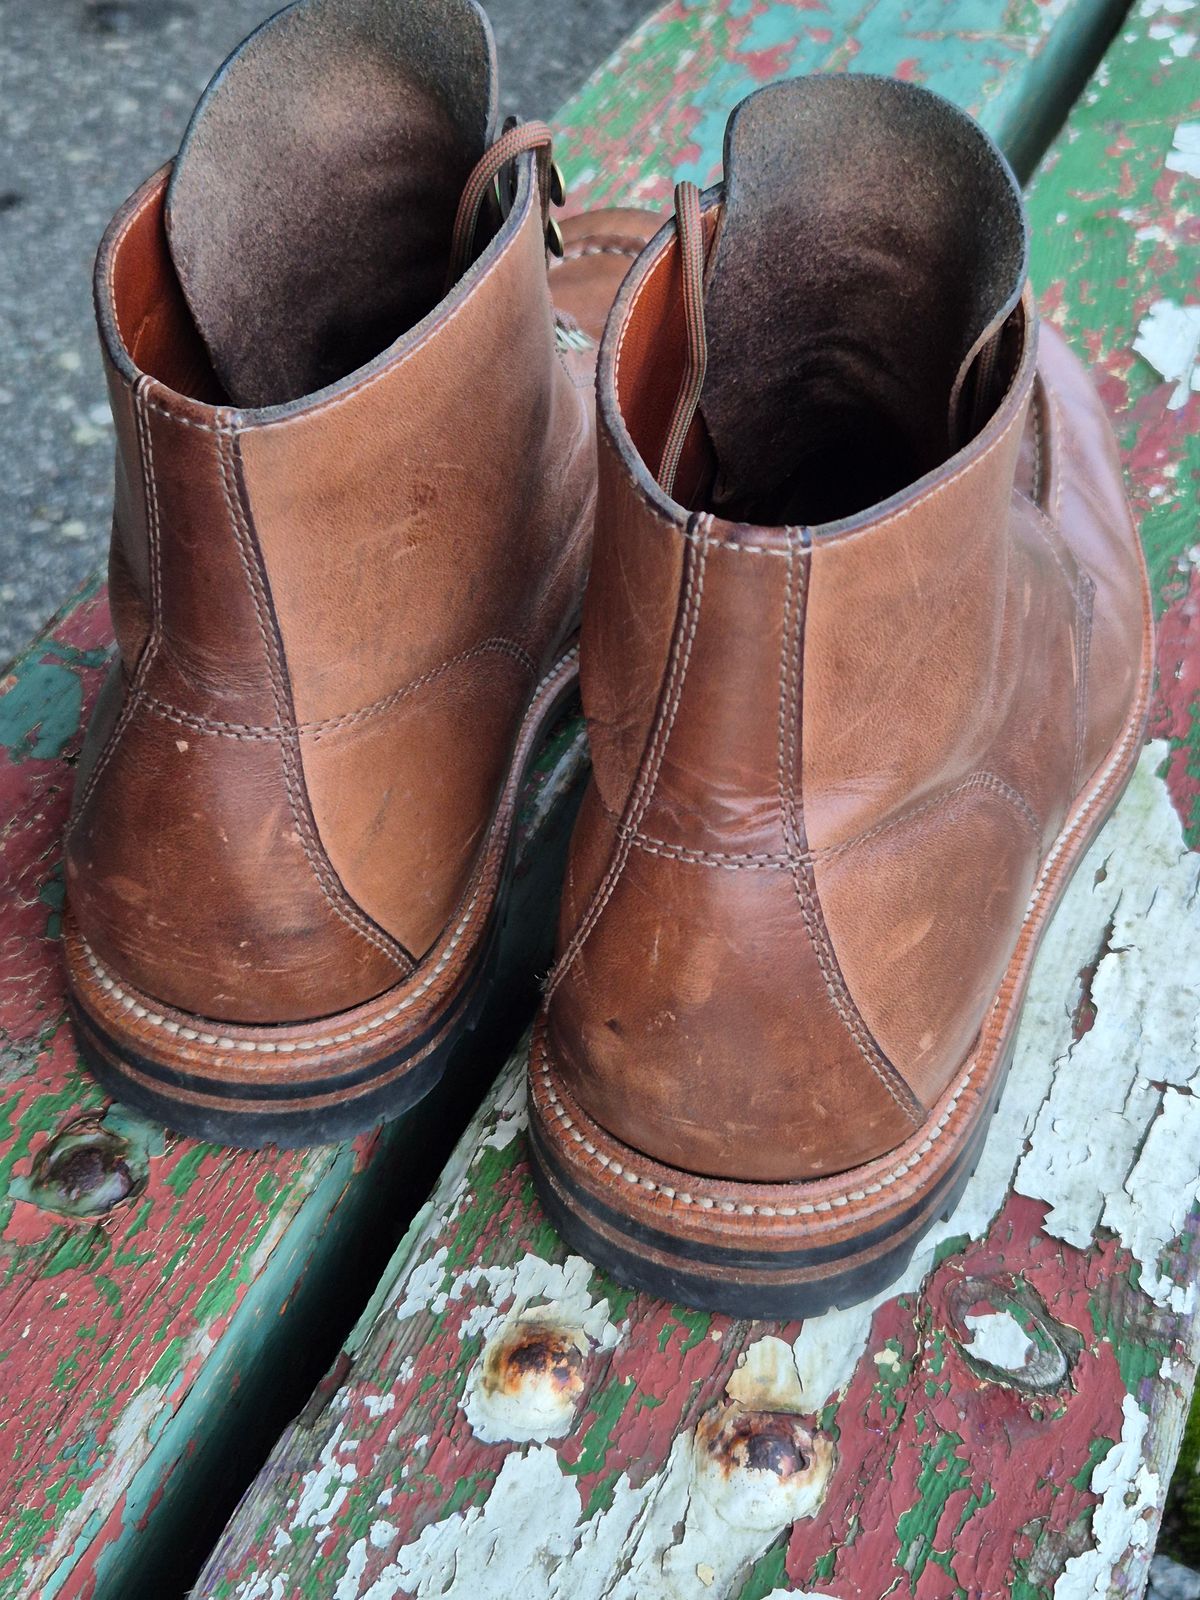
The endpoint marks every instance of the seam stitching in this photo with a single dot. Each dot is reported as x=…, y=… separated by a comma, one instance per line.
x=227, y=1044
x=135, y=691
x=1054, y=432
x=272, y=731
x=1039, y=391
x=734, y=861
x=712, y=1202
x=1085, y=596
x=313, y=850
x=801, y=868
x=639, y=801
x=112, y=270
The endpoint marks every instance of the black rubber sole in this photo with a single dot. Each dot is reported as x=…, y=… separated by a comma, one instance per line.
x=242, y=1126
x=809, y=1282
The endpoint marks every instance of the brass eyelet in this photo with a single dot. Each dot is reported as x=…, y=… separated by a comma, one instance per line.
x=558, y=189
x=554, y=237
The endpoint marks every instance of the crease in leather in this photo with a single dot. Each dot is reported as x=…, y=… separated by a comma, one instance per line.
x=342, y=903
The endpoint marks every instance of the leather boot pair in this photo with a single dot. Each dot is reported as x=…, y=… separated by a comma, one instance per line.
x=354, y=504
x=865, y=648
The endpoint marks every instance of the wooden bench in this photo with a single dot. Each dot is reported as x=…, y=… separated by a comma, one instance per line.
x=505, y=1421
x=167, y=1306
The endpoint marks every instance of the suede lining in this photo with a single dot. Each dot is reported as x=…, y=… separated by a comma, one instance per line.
x=871, y=238
x=310, y=210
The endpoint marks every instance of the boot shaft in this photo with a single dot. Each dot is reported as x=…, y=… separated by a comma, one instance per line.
x=806, y=408
x=318, y=604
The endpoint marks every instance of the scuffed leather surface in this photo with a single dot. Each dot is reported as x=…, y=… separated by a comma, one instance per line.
x=699, y=1022
x=441, y=502
x=275, y=796
x=737, y=995
x=187, y=865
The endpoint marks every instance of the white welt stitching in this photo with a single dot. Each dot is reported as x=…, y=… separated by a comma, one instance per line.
x=710, y=1202
x=629, y=250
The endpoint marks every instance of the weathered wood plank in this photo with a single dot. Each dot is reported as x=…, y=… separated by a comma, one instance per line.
x=656, y=112
x=1002, y=1424
x=165, y=1305
x=1004, y=1421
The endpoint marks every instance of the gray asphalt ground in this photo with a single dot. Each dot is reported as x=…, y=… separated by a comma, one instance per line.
x=94, y=95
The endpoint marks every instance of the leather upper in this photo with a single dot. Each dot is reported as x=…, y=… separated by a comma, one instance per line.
x=829, y=759
x=330, y=615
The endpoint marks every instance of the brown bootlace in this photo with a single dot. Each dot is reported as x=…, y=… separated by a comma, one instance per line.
x=690, y=228
x=512, y=142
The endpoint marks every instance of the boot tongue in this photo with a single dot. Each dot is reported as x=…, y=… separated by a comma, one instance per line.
x=871, y=236
x=310, y=210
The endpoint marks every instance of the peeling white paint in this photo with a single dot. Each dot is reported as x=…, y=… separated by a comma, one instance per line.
x=422, y=1286
x=1180, y=42
x=1152, y=1207
x=1128, y=1490
x=1168, y=337
x=1184, y=154
x=766, y=1379
x=325, y=1486
x=657, y=1541
x=260, y=1588
x=523, y=1528
x=557, y=1290
x=511, y=1113
x=1145, y=991
x=1000, y=1340
x=356, y=1565
x=1145, y=1039
x=378, y=1405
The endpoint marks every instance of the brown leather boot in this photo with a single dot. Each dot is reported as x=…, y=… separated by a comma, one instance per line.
x=866, y=656
x=355, y=488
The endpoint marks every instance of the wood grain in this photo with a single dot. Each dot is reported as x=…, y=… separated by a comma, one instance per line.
x=165, y=1305
x=1004, y=1422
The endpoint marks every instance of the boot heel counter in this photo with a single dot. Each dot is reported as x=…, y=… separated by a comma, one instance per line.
x=194, y=868
x=698, y=1011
